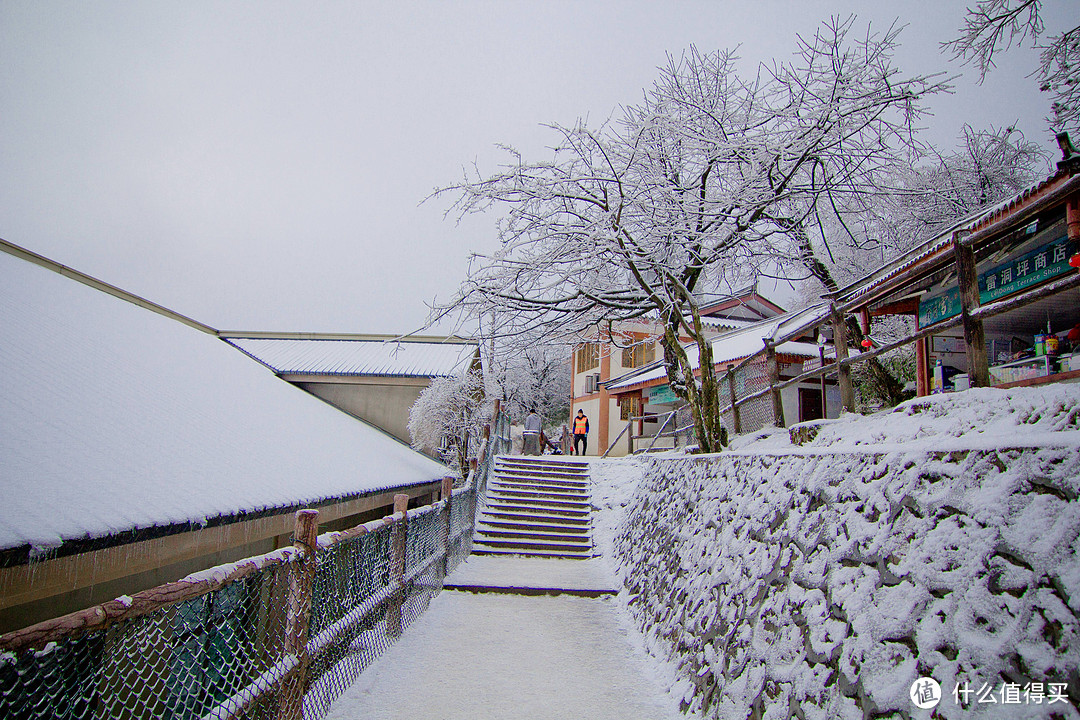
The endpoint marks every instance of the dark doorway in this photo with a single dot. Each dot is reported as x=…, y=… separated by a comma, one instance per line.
x=810, y=406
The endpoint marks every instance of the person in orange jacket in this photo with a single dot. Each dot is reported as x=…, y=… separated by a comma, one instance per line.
x=581, y=432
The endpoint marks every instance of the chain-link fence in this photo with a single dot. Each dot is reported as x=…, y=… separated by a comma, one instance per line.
x=278, y=636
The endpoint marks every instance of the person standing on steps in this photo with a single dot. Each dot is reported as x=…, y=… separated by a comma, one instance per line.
x=531, y=435
x=581, y=432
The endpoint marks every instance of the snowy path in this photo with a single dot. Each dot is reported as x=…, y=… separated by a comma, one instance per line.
x=487, y=656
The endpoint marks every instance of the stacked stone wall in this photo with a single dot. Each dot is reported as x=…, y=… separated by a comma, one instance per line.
x=823, y=584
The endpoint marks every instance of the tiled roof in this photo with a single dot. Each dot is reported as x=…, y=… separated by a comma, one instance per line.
x=359, y=357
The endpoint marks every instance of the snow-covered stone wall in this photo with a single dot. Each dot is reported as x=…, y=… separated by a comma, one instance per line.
x=823, y=581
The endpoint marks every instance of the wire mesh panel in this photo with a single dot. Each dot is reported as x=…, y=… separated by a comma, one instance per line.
x=240, y=641
x=180, y=661
x=757, y=413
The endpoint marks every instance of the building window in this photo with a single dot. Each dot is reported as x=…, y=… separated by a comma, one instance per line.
x=630, y=407
x=588, y=356
x=639, y=354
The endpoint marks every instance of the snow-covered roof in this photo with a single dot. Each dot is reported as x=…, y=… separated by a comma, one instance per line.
x=359, y=356
x=737, y=345
x=973, y=222
x=114, y=417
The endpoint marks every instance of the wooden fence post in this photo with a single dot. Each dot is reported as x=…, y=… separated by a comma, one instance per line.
x=399, y=536
x=448, y=519
x=298, y=618
x=629, y=437
x=736, y=422
x=772, y=368
x=968, y=281
x=843, y=372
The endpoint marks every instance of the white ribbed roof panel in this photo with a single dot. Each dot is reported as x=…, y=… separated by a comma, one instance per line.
x=113, y=417
x=360, y=357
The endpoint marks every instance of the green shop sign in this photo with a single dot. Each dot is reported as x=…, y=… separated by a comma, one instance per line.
x=1021, y=272
x=662, y=395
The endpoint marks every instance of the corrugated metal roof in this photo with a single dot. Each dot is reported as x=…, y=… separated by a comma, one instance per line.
x=360, y=357
x=117, y=418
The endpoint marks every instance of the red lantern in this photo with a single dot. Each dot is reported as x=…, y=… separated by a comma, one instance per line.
x=866, y=342
x=1075, y=261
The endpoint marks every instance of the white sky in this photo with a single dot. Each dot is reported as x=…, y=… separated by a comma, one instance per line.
x=258, y=165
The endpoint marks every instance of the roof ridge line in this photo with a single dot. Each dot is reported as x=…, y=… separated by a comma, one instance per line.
x=102, y=286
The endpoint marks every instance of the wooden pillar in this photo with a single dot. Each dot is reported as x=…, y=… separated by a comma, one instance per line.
x=843, y=372
x=821, y=366
x=399, y=537
x=298, y=618
x=974, y=338
x=1072, y=220
x=772, y=368
x=922, y=368
x=736, y=422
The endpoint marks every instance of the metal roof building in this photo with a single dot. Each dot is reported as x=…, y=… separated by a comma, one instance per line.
x=376, y=378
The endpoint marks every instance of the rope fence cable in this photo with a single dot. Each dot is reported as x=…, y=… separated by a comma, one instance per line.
x=276, y=636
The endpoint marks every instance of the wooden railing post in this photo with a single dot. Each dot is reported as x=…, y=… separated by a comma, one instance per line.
x=968, y=281
x=843, y=372
x=298, y=617
x=629, y=437
x=821, y=380
x=448, y=519
x=736, y=421
x=399, y=536
x=772, y=368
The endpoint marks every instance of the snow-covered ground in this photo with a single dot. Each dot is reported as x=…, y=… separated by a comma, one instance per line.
x=480, y=656
x=940, y=540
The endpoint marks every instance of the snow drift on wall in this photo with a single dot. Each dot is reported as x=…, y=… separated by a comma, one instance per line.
x=822, y=581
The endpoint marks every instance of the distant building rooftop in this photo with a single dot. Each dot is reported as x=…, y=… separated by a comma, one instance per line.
x=305, y=354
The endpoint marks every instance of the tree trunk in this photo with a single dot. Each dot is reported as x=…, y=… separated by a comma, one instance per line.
x=701, y=394
x=889, y=385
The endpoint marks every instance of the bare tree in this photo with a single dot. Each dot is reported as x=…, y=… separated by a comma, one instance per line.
x=709, y=172
x=447, y=417
x=532, y=375
x=993, y=26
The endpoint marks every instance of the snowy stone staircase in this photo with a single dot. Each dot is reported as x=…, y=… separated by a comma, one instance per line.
x=538, y=507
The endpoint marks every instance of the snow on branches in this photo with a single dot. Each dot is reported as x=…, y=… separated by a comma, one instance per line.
x=711, y=173
x=447, y=417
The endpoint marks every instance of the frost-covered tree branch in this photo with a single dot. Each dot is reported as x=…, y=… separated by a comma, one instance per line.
x=994, y=26
x=711, y=175
x=446, y=418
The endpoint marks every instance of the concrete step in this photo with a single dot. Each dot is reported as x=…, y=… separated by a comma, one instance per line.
x=489, y=522
x=544, y=499
x=539, y=489
x=540, y=472
x=539, y=483
x=500, y=505
x=566, y=555
x=526, y=494
x=546, y=461
x=486, y=531
x=497, y=515
x=541, y=468
x=527, y=545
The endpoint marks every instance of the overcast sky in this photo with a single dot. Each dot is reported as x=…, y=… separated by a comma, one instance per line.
x=259, y=165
